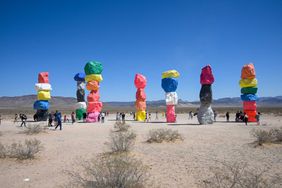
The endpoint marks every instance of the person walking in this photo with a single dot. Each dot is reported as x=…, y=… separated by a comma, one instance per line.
x=23, y=119
x=58, y=117
x=0, y=119
x=227, y=116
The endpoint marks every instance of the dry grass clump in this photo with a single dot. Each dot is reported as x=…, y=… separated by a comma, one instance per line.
x=264, y=136
x=239, y=175
x=111, y=171
x=121, y=126
x=33, y=129
x=121, y=141
x=161, y=135
x=21, y=151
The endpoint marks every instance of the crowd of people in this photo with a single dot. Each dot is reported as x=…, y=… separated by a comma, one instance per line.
x=55, y=118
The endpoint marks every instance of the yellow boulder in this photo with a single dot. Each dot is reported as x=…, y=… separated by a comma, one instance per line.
x=93, y=77
x=170, y=74
x=248, y=83
x=140, y=115
x=43, y=95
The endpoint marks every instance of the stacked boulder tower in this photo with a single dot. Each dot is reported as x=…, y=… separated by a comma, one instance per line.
x=93, y=71
x=80, y=106
x=43, y=89
x=205, y=114
x=169, y=85
x=248, y=84
x=140, y=83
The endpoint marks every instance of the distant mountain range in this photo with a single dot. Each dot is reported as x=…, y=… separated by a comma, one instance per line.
x=68, y=102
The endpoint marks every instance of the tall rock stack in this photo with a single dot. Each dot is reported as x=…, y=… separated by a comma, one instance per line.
x=205, y=114
x=43, y=89
x=93, y=70
x=169, y=85
x=80, y=106
x=140, y=83
x=248, y=84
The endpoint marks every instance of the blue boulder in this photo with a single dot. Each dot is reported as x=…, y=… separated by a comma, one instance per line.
x=169, y=84
x=249, y=97
x=41, y=105
x=79, y=77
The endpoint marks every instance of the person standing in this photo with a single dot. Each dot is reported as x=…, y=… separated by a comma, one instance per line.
x=102, y=117
x=246, y=119
x=149, y=118
x=227, y=116
x=123, y=117
x=258, y=118
x=157, y=116
x=0, y=119
x=16, y=118
x=215, y=115
x=72, y=118
x=50, y=119
x=58, y=119
x=84, y=117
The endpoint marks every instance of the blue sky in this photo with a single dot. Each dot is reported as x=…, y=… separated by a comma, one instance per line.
x=148, y=37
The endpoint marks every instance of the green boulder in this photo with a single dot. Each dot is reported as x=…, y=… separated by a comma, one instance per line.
x=93, y=67
x=249, y=90
x=79, y=113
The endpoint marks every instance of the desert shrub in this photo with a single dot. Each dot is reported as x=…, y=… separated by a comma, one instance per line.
x=33, y=129
x=161, y=135
x=121, y=126
x=262, y=136
x=3, y=151
x=239, y=175
x=121, y=141
x=27, y=150
x=111, y=171
x=278, y=134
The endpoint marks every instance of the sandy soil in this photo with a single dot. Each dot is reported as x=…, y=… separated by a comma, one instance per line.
x=181, y=164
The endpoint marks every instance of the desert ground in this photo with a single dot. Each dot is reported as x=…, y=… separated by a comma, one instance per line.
x=181, y=164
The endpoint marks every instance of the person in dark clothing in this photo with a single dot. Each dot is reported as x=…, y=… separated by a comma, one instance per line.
x=23, y=119
x=237, y=117
x=246, y=119
x=58, y=117
x=227, y=116
x=84, y=117
x=72, y=118
x=123, y=117
x=50, y=120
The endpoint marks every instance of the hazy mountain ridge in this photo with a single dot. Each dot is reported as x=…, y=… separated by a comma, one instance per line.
x=27, y=101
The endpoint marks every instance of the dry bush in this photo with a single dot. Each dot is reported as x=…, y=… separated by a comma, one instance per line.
x=278, y=134
x=33, y=129
x=121, y=126
x=262, y=136
x=111, y=171
x=27, y=150
x=161, y=135
x=121, y=141
x=239, y=175
x=3, y=152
